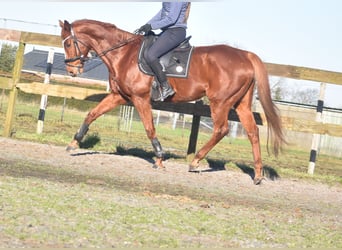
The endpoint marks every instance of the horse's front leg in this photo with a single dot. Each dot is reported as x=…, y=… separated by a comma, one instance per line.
x=144, y=109
x=108, y=103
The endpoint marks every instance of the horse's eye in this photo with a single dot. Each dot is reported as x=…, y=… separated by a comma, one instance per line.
x=67, y=44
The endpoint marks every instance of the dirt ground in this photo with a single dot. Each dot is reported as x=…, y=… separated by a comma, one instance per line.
x=319, y=203
x=221, y=185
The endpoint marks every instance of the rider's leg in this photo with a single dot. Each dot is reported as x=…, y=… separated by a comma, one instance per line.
x=168, y=40
x=166, y=89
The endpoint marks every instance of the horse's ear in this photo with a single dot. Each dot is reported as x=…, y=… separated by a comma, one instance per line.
x=61, y=24
x=66, y=25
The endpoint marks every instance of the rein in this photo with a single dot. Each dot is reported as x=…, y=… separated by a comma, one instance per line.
x=123, y=43
x=83, y=58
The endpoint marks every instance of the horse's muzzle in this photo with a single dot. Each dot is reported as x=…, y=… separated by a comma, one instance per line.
x=74, y=70
x=72, y=74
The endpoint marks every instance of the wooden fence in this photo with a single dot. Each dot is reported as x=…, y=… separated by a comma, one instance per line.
x=197, y=109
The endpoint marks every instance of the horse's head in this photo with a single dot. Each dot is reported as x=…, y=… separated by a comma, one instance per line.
x=76, y=51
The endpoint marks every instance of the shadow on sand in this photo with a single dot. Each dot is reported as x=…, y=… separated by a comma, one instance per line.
x=214, y=164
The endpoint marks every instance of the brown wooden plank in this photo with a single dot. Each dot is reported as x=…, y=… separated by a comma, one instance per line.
x=10, y=35
x=312, y=127
x=41, y=39
x=10, y=113
x=30, y=38
x=19, y=59
x=58, y=90
x=304, y=73
x=6, y=83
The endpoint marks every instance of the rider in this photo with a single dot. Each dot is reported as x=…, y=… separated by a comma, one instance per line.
x=172, y=20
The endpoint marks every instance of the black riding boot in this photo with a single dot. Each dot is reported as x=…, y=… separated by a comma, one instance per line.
x=166, y=89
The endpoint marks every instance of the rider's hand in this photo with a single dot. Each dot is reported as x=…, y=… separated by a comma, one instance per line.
x=145, y=29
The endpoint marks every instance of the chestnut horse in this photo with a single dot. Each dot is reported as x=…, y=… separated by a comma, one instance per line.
x=224, y=74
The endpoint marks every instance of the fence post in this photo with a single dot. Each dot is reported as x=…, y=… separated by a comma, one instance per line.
x=196, y=119
x=126, y=118
x=316, y=137
x=175, y=119
x=14, y=91
x=43, y=100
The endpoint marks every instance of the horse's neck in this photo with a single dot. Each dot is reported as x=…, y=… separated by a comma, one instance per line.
x=121, y=35
x=110, y=44
x=101, y=37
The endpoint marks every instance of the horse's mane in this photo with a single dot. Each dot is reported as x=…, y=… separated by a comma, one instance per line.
x=94, y=22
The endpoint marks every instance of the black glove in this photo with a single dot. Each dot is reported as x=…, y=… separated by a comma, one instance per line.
x=145, y=29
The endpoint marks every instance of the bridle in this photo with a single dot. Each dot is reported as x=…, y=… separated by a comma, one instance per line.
x=81, y=57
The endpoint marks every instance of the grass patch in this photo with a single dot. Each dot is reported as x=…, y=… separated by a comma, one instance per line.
x=42, y=206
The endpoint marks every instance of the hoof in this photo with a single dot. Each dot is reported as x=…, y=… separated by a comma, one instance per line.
x=155, y=166
x=193, y=168
x=258, y=180
x=158, y=164
x=73, y=145
x=71, y=148
x=194, y=165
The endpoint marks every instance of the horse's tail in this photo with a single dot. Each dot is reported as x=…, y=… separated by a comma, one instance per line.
x=275, y=129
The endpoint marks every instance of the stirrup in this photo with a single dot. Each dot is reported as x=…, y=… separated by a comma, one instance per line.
x=165, y=93
x=156, y=92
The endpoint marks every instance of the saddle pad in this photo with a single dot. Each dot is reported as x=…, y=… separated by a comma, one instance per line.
x=175, y=63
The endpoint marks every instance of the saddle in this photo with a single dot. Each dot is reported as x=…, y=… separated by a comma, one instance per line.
x=175, y=63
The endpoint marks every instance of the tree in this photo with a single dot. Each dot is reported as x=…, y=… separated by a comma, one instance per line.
x=7, y=57
x=281, y=91
x=304, y=96
x=278, y=91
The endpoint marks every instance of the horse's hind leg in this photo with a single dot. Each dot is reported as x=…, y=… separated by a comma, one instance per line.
x=108, y=103
x=219, y=115
x=248, y=122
